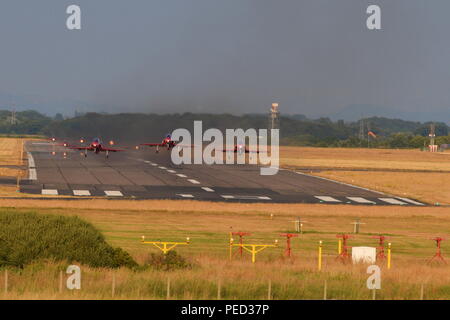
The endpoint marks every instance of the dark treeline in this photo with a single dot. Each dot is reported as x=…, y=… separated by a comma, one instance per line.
x=294, y=130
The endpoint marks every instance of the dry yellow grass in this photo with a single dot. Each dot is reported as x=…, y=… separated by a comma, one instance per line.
x=11, y=151
x=208, y=225
x=430, y=187
x=363, y=158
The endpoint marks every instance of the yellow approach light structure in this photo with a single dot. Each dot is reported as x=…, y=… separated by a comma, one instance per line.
x=165, y=246
x=253, y=248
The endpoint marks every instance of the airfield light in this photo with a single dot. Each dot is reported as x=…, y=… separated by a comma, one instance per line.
x=81, y=140
x=319, y=263
x=137, y=147
x=389, y=256
x=187, y=240
x=164, y=246
x=111, y=142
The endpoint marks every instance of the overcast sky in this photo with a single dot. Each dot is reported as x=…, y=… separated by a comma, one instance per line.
x=312, y=56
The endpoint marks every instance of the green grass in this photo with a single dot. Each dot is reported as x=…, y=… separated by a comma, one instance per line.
x=27, y=237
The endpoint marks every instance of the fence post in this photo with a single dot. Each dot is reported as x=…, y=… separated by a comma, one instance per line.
x=6, y=281
x=219, y=296
x=113, y=289
x=325, y=291
x=269, y=291
x=168, y=289
x=421, y=292
x=60, y=281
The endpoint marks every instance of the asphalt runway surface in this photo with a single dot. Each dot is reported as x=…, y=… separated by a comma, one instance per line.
x=144, y=174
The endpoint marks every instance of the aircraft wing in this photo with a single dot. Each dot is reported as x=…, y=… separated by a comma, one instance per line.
x=81, y=148
x=152, y=144
x=112, y=149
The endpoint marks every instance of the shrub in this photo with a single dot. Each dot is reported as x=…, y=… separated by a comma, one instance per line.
x=27, y=237
x=169, y=261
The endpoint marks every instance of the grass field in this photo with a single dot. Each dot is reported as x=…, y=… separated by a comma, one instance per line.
x=208, y=226
x=431, y=187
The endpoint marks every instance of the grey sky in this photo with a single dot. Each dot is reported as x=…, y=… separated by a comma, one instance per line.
x=313, y=56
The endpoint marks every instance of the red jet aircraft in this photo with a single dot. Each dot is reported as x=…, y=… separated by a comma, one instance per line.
x=96, y=146
x=167, y=142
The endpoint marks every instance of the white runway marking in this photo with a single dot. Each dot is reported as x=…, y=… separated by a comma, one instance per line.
x=171, y=171
x=411, y=201
x=186, y=195
x=31, y=163
x=50, y=192
x=245, y=197
x=193, y=181
x=392, y=201
x=181, y=175
x=327, y=199
x=227, y=196
x=154, y=164
x=360, y=200
x=32, y=175
x=114, y=193
x=208, y=189
x=164, y=168
x=81, y=193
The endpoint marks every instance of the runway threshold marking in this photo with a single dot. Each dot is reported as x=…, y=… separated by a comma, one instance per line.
x=411, y=201
x=208, y=189
x=327, y=199
x=392, y=201
x=113, y=193
x=49, y=192
x=360, y=200
x=239, y=197
x=193, y=181
x=183, y=195
x=81, y=193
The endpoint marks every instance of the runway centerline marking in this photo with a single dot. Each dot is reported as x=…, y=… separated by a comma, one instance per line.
x=181, y=175
x=171, y=171
x=327, y=199
x=193, y=181
x=163, y=168
x=50, y=192
x=81, y=193
x=113, y=193
x=208, y=189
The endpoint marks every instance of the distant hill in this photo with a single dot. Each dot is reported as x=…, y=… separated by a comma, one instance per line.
x=295, y=129
x=354, y=112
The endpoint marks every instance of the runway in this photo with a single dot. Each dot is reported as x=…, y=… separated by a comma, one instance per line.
x=143, y=174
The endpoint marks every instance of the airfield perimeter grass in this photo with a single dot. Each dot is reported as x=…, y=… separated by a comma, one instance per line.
x=432, y=186
x=208, y=226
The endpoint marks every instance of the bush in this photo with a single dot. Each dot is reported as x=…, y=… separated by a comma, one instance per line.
x=169, y=261
x=27, y=237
